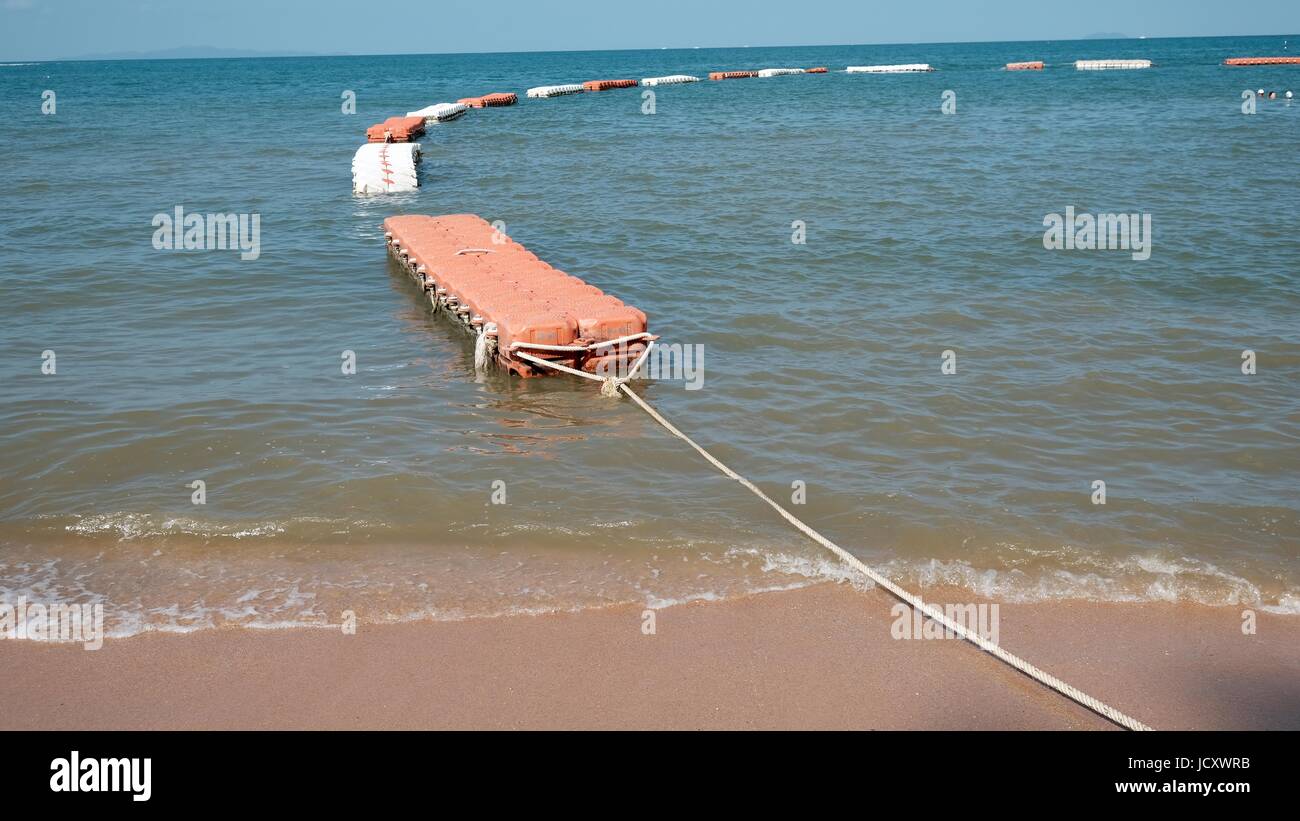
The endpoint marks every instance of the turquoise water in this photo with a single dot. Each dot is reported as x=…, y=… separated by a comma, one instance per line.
x=372, y=492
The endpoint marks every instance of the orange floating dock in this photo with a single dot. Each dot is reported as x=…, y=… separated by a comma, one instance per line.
x=731, y=75
x=817, y=70
x=1032, y=65
x=604, y=85
x=396, y=130
x=1261, y=61
x=490, y=100
x=520, y=307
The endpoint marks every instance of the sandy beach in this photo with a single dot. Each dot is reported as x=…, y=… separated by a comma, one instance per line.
x=818, y=657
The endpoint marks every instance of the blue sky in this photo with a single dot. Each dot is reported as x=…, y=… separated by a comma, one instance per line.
x=48, y=29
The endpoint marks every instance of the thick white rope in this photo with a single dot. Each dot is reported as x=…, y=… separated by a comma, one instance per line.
x=480, y=351
x=557, y=366
x=595, y=346
x=1073, y=693
x=611, y=386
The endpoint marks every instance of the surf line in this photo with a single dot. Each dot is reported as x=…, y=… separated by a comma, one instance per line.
x=611, y=386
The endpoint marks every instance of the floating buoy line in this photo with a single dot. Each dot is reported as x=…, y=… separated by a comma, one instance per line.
x=370, y=167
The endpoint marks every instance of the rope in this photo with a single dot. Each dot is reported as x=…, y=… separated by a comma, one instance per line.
x=1070, y=692
x=611, y=386
x=595, y=346
x=557, y=366
x=480, y=350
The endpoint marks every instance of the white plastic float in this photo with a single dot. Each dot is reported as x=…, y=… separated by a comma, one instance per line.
x=1101, y=65
x=556, y=91
x=385, y=168
x=778, y=72
x=671, y=79
x=903, y=68
x=440, y=112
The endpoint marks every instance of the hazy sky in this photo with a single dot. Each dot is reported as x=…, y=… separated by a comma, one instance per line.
x=46, y=29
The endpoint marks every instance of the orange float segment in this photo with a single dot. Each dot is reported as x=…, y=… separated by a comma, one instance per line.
x=731, y=75
x=1032, y=65
x=1261, y=61
x=517, y=302
x=603, y=85
x=490, y=100
x=396, y=130
x=818, y=70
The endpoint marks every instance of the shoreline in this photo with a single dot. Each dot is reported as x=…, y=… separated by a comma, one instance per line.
x=815, y=657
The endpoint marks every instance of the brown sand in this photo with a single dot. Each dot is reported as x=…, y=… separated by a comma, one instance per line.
x=820, y=657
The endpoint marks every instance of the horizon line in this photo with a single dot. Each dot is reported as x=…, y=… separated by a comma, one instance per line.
x=255, y=54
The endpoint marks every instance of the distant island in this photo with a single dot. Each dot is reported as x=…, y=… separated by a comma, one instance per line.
x=192, y=53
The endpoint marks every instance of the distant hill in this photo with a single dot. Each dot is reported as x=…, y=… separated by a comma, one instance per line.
x=190, y=53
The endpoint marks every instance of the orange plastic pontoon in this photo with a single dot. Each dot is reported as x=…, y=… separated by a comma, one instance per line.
x=520, y=305
x=1261, y=61
x=602, y=85
x=396, y=130
x=1032, y=65
x=817, y=70
x=490, y=100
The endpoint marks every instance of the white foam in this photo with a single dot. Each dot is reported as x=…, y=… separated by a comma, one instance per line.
x=142, y=525
x=1133, y=579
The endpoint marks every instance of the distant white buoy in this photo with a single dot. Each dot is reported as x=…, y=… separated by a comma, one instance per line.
x=671, y=79
x=555, y=91
x=903, y=68
x=440, y=112
x=1102, y=65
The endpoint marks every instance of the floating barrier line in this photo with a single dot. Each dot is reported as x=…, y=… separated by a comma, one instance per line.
x=612, y=386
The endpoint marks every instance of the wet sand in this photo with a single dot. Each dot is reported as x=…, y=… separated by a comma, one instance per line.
x=820, y=657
